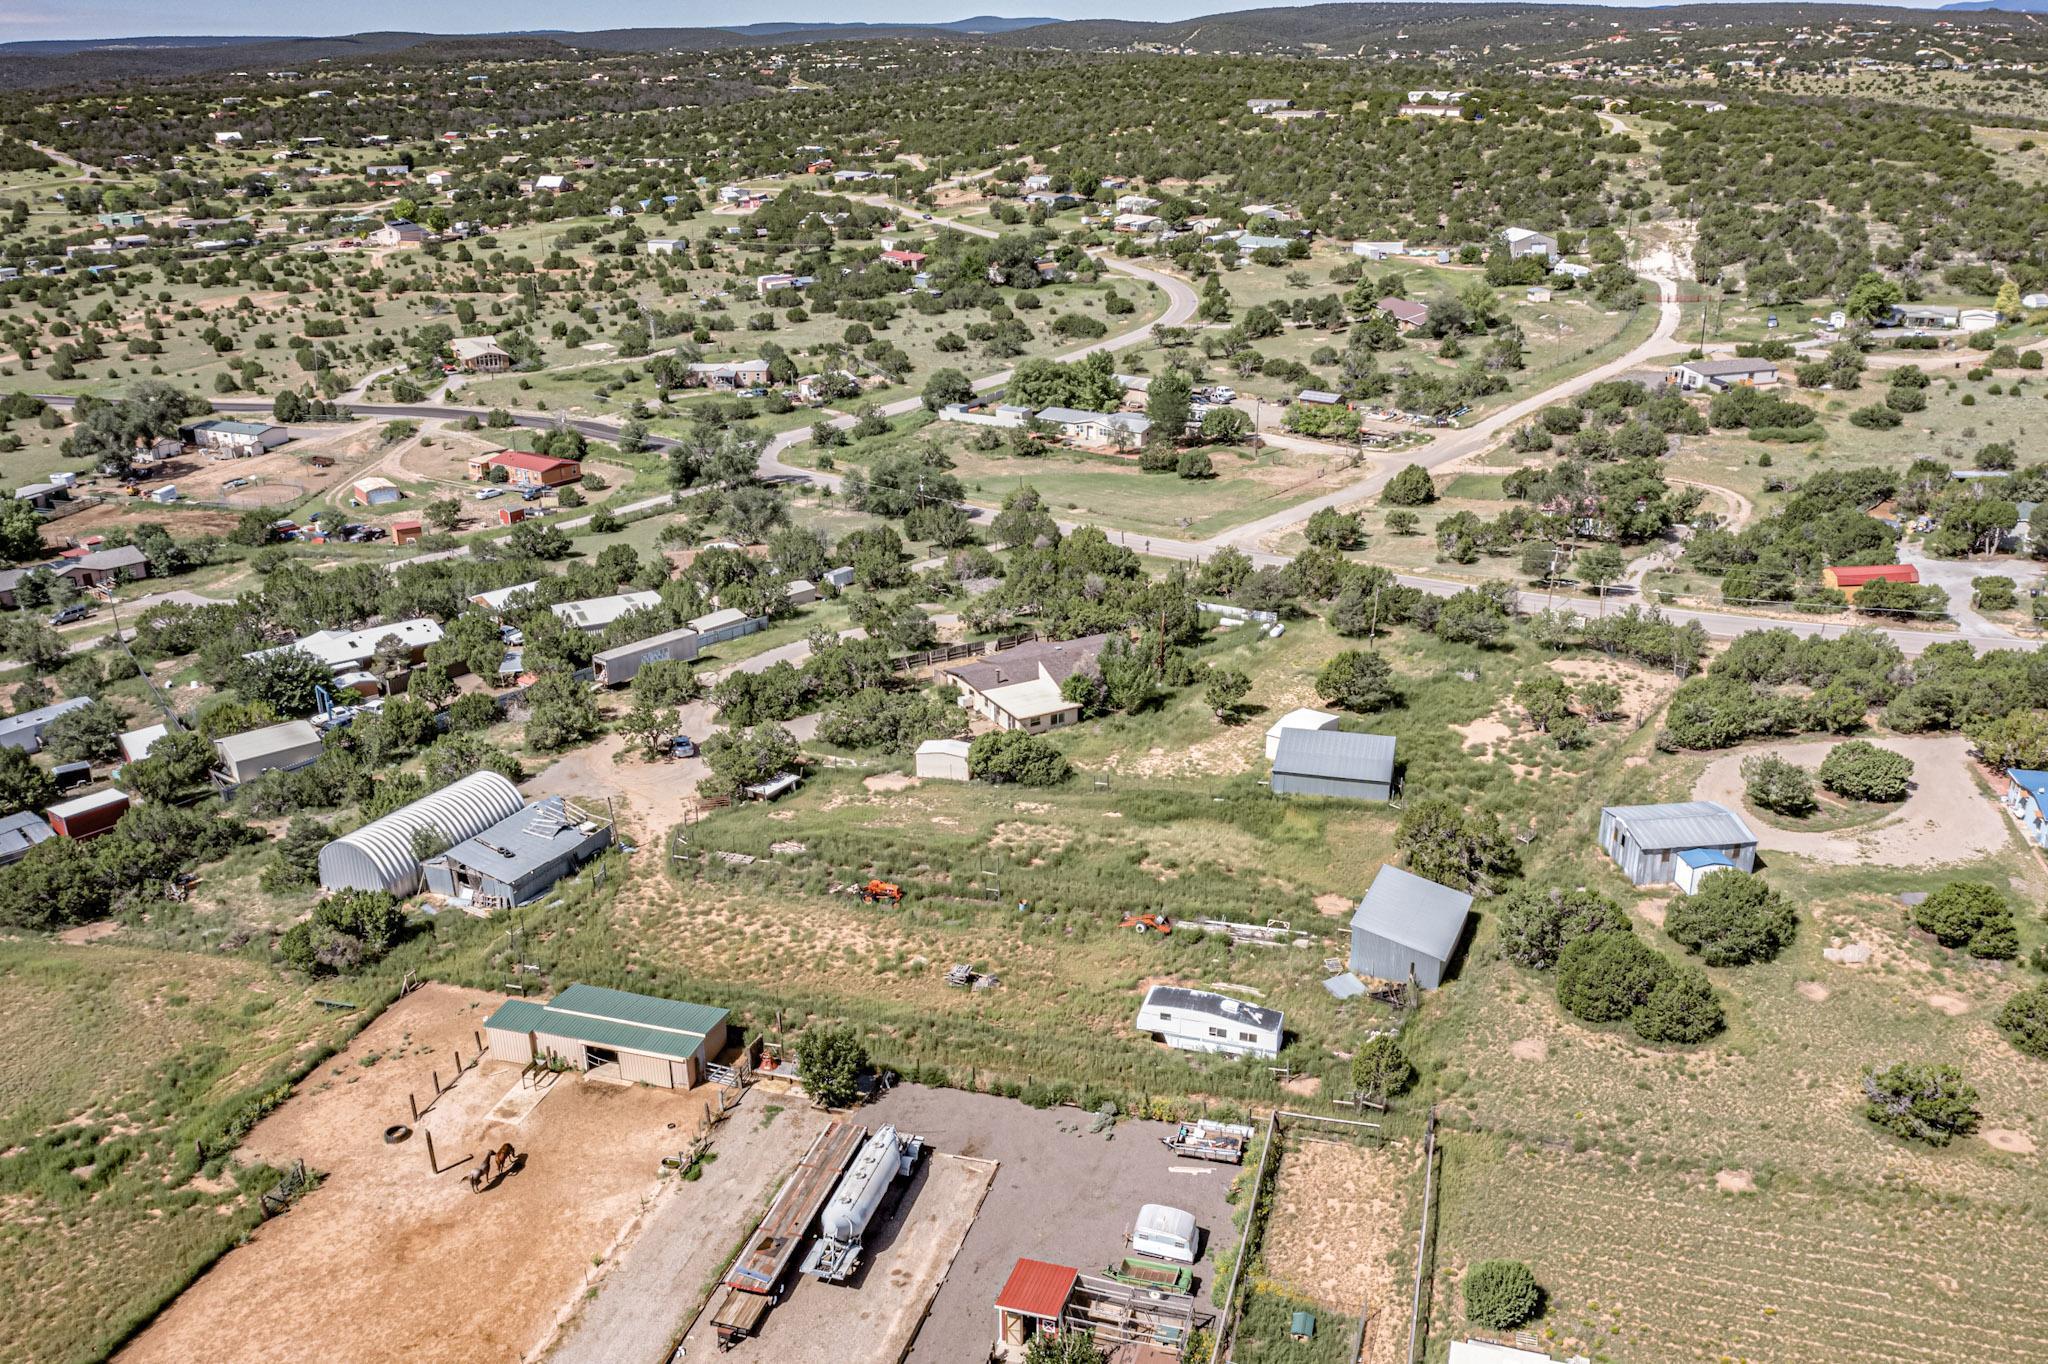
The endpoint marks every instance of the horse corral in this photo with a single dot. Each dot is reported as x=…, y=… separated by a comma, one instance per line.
x=393, y=1256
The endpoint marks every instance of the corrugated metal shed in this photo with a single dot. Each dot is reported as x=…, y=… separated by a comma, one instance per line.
x=1407, y=923
x=1687, y=824
x=614, y=1018
x=1037, y=1289
x=1333, y=762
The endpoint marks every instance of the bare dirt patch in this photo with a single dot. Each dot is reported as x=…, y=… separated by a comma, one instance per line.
x=1734, y=1181
x=1337, y=1215
x=1652, y=910
x=1304, y=1086
x=1945, y=820
x=889, y=781
x=411, y=1264
x=1485, y=733
x=1336, y=906
x=648, y=798
x=2006, y=1139
x=1951, y=1005
x=1529, y=1049
x=1642, y=690
x=89, y=933
x=1813, y=990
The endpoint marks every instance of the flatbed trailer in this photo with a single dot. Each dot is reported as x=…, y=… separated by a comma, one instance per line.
x=1143, y=1273
x=1204, y=1140
x=760, y=1267
x=738, y=1315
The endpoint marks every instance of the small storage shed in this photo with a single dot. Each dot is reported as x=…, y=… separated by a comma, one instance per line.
x=136, y=743
x=636, y=1038
x=518, y=860
x=1407, y=924
x=1696, y=864
x=379, y=856
x=720, y=626
x=942, y=760
x=21, y=831
x=1645, y=840
x=1333, y=762
x=89, y=815
x=1032, y=1302
x=375, y=491
x=1296, y=719
x=246, y=756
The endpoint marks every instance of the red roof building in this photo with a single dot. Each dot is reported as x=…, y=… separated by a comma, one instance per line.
x=1847, y=580
x=405, y=530
x=1032, y=1301
x=910, y=259
x=528, y=471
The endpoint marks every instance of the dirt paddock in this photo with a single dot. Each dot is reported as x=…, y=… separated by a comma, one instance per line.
x=1339, y=1211
x=388, y=1261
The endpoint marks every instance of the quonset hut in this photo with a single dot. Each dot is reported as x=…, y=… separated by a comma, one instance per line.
x=381, y=855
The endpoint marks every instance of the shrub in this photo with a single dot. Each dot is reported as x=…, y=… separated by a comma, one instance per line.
x=1381, y=1068
x=1680, y=1010
x=1970, y=915
x=1775, y=784
x=1500, y=1294
x=2024, y=1021
x=1357, y=680
x=1860, y=770
x=1536, y=924
x=1875, y=418
x=1412, y=487
x=1732, y=920
x=1994, y=592
x=1012, y=756
x=1926, y=1103
x=830, y=1062
x=1603, y=977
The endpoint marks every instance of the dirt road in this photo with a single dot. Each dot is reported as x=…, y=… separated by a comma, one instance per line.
x=1945, y=820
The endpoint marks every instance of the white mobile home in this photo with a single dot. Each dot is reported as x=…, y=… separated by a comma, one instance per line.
x=1198, y=1020
x=1165, y=1233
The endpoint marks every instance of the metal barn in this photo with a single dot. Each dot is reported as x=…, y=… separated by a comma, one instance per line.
x=1333, y=762
x=1406, y=925
x=381, y=856
x=612, y=1034
x=1645, y=840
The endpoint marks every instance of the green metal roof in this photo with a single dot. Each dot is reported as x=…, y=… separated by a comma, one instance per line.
x=614, y=1018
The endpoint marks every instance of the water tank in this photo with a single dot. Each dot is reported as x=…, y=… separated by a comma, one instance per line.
x=379, y=856
x=860, y=1190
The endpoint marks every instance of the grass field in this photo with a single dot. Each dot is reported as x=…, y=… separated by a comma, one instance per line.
x=124, y=1059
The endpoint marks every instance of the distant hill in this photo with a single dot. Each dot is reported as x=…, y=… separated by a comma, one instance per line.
x=980, y=23
x=2009, y=6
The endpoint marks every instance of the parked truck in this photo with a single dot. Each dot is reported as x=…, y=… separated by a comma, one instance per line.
x=885, y=1159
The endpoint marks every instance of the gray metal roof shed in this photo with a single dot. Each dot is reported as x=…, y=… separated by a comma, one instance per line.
x=1407, y=923
x=1333, y=762
x=520, y=857
x=1686, y=824
x=21, y=831
x=295, y=743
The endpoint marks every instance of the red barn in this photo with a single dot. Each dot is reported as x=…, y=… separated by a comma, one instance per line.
x=1849, y=580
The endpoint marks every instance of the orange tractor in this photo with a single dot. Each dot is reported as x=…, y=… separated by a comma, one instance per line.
x=1148, y=923
x=881, y=892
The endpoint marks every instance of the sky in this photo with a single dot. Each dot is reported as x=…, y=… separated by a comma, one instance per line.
x=24, y=19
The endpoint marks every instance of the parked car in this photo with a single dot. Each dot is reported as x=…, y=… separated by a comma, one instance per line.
x=486, y=494
x=76, y=611
x=528, y=494
x=682, y=746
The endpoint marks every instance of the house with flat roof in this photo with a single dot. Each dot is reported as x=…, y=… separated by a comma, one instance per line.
x=594, y=615
x=728, y=374
x=1201, y=1020
x=25, y=731
x=1407, y=926
x=1645, y=840
x=238, y=438
x=1019, y=688
x=1700, y=376
x=350, y=650
x=611, y=1034
x=2026, y=800
x=1095, y=428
